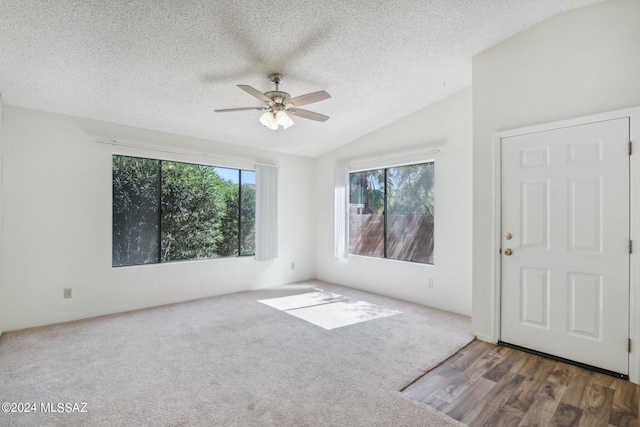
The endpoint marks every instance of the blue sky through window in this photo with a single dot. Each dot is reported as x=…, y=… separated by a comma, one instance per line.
x=248, y=177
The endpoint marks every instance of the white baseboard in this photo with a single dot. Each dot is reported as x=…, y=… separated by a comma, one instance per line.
x=486, y=338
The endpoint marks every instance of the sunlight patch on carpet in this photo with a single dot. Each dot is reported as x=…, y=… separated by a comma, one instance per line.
x=328, y=310
x=303, y=300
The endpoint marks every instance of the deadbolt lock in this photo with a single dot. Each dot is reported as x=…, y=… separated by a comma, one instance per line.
x=507, y=236
x=508, y=252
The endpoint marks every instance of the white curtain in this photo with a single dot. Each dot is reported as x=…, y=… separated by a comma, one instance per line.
x=266, y=212
x=340, y=211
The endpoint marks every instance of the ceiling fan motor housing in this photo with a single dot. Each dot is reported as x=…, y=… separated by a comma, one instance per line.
x=278, y=96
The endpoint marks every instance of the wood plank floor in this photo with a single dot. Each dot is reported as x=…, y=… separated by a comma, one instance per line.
x=490, y=385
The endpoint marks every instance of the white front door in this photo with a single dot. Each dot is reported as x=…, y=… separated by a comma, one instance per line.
x=565, y=243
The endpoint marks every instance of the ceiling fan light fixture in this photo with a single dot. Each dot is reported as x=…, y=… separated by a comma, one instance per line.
x=282, y=118
x=288, y=123
x=267, y=119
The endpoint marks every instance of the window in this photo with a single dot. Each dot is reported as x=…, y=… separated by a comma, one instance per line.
x=391, y=213
x=170, y=211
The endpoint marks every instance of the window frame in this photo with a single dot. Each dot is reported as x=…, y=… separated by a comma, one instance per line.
x=376, y=166
x=160, y=160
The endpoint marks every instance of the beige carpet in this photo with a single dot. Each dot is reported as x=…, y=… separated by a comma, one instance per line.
x=230, y=361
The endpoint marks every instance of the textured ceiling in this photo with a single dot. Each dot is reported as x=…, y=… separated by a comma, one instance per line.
x=166, y=65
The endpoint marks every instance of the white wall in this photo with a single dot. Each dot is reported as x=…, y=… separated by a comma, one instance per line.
x=56, y=188
x=582, y=62
x=447, y=126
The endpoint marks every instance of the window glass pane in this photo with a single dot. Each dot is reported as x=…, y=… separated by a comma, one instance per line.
x=248, y=224
x=194, y=211
x=228, y=220
x=410, y=205
x=171, y=211
x=136, y=204
x=366, y=213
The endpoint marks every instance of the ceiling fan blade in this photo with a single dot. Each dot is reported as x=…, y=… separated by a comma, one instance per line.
x=255, y=92
x=309, y=98
x=228, y=110
x=306, y=114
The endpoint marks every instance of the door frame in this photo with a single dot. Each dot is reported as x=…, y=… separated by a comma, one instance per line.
x=634, y=222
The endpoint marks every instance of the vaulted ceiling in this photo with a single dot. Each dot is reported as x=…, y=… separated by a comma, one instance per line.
x=168, y=64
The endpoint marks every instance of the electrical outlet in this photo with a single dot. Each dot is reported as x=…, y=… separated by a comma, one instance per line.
x=429, y=283
x=67, y=292
x=293, y=265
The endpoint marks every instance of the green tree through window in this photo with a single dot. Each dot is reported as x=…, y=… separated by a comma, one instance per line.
x=169, y=211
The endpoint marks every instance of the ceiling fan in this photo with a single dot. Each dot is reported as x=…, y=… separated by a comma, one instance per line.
x=280, y=105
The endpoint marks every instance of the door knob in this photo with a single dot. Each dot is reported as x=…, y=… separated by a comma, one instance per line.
x=508, y=252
